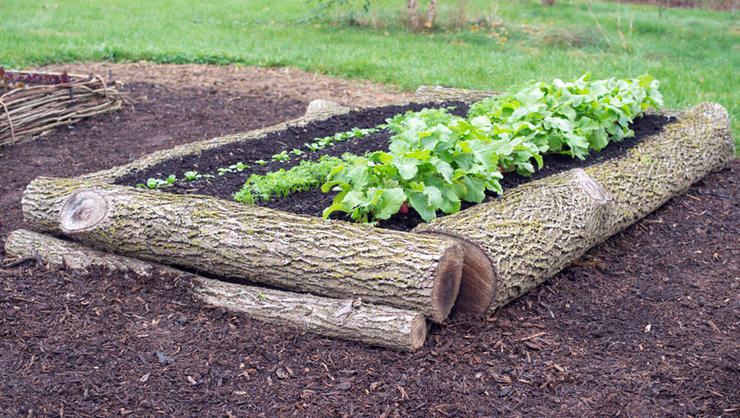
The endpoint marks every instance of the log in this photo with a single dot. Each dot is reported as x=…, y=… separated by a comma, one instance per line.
x=229, y=239
x=348, y=319
x=443, y=94
x=532, y=231
x=666, y=165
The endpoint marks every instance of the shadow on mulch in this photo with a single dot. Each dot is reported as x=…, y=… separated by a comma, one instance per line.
x=644, y=324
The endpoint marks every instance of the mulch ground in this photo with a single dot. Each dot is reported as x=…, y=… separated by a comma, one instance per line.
x=646, y=324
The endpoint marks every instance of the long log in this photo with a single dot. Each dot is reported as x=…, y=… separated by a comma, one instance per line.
x=349, y=319
x=667, y=164
x=224, y=238
x=441, y=94
x=533, y=231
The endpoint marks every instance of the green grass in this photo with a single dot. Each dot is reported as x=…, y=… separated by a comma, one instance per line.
x=695, y=53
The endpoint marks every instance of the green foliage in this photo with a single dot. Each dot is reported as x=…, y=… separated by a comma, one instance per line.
x=154, y=183
x=240, y=166
x=321, y=143
x=436, y=160
x=570, y=117
x=281, y=183
x=692, y=51
x=283, y=156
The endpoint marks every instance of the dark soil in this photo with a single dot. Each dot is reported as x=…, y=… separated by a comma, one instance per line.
x=645, y=324
x=314, y=201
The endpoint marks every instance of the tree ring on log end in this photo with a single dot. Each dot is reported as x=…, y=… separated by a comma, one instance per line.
x=591, y=187
x=447, y=282
x=418, y=332
x=478, y=282
x=82, y=211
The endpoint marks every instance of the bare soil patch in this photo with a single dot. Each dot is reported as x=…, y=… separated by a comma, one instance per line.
x=645, y=324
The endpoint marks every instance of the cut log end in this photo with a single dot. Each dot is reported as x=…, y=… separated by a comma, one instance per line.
x=418, y=332
x=447, y=282
x=591, y=187
x=82, y=211
x=478, y=280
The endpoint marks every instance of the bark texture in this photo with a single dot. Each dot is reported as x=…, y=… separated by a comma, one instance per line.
x=412, y=13
x=441, y=94
x=229, y=239
x=349, y=319
x=431, y=13
x=533, y=231
x=667, y=164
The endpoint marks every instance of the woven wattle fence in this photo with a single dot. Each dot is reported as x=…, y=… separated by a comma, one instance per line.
x=32, y=103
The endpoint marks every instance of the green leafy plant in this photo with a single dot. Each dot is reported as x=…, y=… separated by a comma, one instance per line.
x=282, y=182
x=321, y=143
x=191, y=175
x=283, y=156
x=436, y=160
x=154, y=183
x=240, y=166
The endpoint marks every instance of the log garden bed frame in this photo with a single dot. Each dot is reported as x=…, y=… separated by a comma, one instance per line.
x=354, y=281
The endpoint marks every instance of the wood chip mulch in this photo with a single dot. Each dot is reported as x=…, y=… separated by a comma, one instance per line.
x=646, y=324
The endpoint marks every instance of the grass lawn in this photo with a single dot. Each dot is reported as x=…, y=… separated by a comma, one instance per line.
x=695, y=53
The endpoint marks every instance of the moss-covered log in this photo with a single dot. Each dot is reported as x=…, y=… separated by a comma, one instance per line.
x=225, y=238
x=349, y=319
x=534, y=230
x=666, y=164
x=531, y=232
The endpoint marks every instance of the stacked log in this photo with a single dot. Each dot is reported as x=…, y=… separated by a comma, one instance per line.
x=229, y=239
x=349, y=319
x=478, y=259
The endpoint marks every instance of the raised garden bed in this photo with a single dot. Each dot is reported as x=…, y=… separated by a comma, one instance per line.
x=497, y=250
x=34, y=102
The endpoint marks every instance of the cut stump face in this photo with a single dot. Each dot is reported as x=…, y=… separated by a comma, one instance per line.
x=82, y=211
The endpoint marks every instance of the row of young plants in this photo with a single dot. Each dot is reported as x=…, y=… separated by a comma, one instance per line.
x=436, y=160
x=283, y=156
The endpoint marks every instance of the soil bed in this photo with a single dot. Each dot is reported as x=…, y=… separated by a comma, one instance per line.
x=100, y=343
x=314, y=201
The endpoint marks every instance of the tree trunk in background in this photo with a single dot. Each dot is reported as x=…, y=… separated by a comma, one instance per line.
x=412, y=13
x=229, y=239
x=431, y=13
x=349, y=319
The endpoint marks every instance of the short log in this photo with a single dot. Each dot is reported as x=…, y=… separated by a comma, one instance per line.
x=229, y=239
x=349, y=319
x=532, y=231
